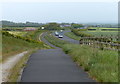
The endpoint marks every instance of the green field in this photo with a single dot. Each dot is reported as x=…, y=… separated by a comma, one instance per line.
x=102, y=29
x=95, y=33
x=108, y=33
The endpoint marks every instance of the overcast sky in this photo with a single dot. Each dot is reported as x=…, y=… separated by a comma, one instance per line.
x=42, y=12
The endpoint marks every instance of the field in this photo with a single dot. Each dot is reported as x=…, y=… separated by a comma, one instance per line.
x=102, y=65
x=95, y=32
x=98, y=31
x=102, y=29
x=107, y=32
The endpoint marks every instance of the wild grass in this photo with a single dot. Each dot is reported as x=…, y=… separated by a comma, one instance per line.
x=34, y=34
x=72, y=35
x=102, y=65
x=12, y=45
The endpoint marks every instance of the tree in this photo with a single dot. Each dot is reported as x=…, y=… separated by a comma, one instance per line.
x=52, y=26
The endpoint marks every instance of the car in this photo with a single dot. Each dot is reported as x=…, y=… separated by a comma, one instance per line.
x=61, y=31
x=56, y=34
x=60, y=36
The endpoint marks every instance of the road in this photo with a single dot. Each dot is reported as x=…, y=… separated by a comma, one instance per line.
x=67, y=38
x=53, y=65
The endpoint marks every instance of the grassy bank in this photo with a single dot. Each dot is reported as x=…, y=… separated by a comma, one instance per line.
x=12, y=45
x=72, y=35
x=102, y=65
x=34, y=34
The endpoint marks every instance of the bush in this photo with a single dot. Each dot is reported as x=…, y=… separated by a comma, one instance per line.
x=79, y=33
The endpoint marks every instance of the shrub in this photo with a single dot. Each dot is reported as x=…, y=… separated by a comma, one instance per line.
x=79, y=33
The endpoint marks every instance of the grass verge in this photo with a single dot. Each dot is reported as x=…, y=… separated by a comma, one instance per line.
x=72, y=35
x=12, y=46
x=15, y=71
x=102, y=65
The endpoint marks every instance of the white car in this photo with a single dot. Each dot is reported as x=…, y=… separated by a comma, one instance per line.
x=61, y=31
x=56, y=33
x=60, y=36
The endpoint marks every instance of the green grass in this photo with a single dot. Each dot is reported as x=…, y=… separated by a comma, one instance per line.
x=102, y=33
x=97, y=33
x=105, y=34
x=34, y=34
x=101, y=65
x=72, y=35
x=102, y=29
x=12, y=46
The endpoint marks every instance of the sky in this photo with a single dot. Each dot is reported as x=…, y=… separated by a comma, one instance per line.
x=69, y=11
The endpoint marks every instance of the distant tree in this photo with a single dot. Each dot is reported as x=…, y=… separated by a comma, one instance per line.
x=52, y=26
x=13, y=24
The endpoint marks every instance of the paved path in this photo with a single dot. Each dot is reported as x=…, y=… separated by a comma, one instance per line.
x=53, y=65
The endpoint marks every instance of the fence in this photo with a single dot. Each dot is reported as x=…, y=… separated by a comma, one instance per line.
x=101, y=42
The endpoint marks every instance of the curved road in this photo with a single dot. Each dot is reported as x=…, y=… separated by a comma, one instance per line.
x=67, y=38
x=53, y=65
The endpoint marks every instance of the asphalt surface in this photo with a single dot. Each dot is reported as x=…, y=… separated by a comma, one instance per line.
x=67, y=38
x=53, y=65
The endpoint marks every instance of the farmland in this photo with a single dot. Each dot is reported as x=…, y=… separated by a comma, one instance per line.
x=97, y=32
x=102, y=29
